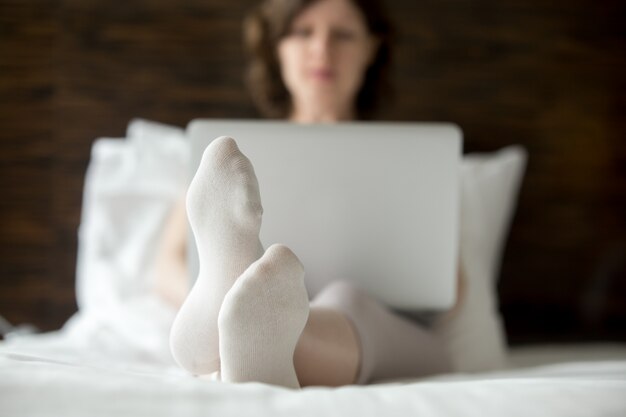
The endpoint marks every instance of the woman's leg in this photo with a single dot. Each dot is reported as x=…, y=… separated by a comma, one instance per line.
x=328, y=351
x=348, y=338
x=224, y=210
x=351, y=337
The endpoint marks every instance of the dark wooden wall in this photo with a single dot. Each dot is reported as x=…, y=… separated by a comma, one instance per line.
x=549, y=76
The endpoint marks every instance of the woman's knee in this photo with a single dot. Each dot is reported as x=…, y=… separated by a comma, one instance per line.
x=341, y=294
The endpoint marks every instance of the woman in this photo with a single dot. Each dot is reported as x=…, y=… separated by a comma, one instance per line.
x=248, y=314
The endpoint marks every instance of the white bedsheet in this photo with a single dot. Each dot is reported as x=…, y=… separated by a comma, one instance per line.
x=32, y=385
x=119, y=364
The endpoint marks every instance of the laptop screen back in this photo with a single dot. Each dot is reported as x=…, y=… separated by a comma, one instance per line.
x=372, y=203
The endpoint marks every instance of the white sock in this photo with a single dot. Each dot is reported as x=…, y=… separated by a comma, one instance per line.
x=224, y=209
x=261, y=320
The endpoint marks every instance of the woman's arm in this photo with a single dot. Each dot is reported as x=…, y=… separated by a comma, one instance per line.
x=171, y=278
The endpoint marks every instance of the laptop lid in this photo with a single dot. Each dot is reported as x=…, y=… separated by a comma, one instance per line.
x=372, y=203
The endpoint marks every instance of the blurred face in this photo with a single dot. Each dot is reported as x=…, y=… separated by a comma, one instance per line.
x=325, y=55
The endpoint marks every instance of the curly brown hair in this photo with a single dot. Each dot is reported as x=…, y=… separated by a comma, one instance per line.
x=270, y=22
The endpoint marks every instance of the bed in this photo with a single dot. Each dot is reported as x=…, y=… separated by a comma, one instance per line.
x=112, y=356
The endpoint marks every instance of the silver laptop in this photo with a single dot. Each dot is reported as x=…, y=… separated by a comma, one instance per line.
x=372, y=203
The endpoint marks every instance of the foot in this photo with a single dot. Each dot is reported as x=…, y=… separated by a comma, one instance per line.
x=261, y=320
x=224, y=211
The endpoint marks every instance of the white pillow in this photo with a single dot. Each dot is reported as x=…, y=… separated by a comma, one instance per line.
x=130, y=187
x=474, y=334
